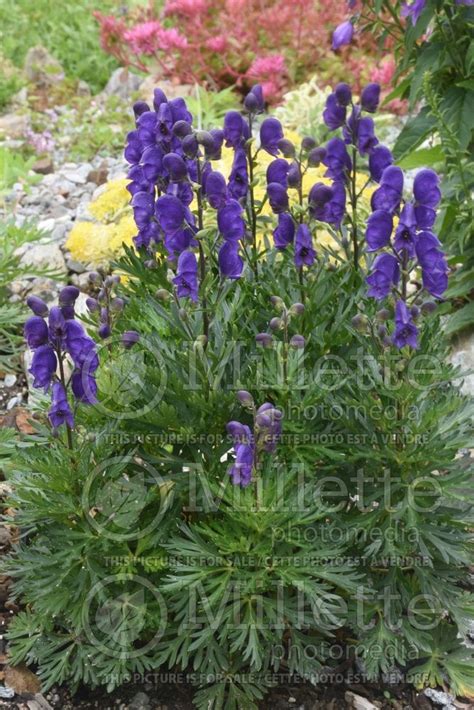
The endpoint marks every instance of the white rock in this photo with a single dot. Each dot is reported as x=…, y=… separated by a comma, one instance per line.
x=463, y=357
x=44, y=255
x=9, y=380
x=46, y=225
x=122, y=83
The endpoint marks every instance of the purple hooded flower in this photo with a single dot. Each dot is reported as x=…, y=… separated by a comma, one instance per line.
x=294, y=176
x=405, y=234
x=406, y=332
x=366, y=140
x=230, y=261
x=170, y=213
x=57, y=326
x=379, y=230
x=236, y=129
x=343, y=34
x=179, y=110
x=271, y=133
x=385, y=274
x=334, y=115
x=319, y=195
x=186, y=279
x=178, y=242
x=214, y=151
x=433, y=264
x=304, y=252
x=81, y=347
x=238, y=178
x=426, y=188
x=143, y=208
x=43, y=366
x=413, y=10
x=327, y=204
x=278, y=197
x=370, y=97
x=343, y=94
x=388, y=196
x=284, y=234
x=241, y=471
x=230, y=222
x=267, y=427
x=60, y=412
x=130, y=338
x=277, y=171
x=216, y=189
x=337, y=159
x=36, y=332
x=84, y=387
x=379, y=159
x=176, y=167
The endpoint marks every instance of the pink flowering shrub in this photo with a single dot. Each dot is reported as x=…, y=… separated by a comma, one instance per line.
x=225, y=42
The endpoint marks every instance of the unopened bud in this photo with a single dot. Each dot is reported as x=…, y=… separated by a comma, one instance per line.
x=117, y=304
x=129, y=338
x=245, y=398
x=360, y=323
x=275, y=323
x=383, y=315
x=297, y=342
x=297, y=309
x=428, y=307
x=308, y=143
x=278, y=302
x=264, y=339
x=286, y=147
x=163, y=295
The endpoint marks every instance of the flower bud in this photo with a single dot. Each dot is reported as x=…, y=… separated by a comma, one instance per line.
x=343, y=94
x=286, y=147
x=276, y=323
x=129, y=338
x=308, y=143
x=278, y=303
x=245, y=398
x=182, y=129
x=297, y=309
x=205, y=139
x=95, y=277
x=294, y=176
x=415, y=312
x=383, y=315
x=264, y=339
x=104, y=331
x=117, y=304
x=428, y=307
x=201, y=341
x=183, y=314
x=297, y=342
x=382, y=331
x=316, y=157
x=190, y=146
x=109, y=281
x=251, y=103
x=345, y=242
x=37, y=305
x=163, y=295
x=101, y=296
x=92, y=304
x=176, y=167
x=360, y=323
x=68, y=295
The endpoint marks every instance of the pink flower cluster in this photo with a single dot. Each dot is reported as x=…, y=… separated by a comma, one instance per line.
x=229, y=42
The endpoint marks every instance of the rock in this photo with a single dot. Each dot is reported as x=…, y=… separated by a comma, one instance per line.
x=13, y=402
x=43, y=166
x=357, y=702
x=122, y=83
x=140, y=701
x=99, y=175
x=76, y=266
x=46, y=225
x=438, y=697
x=44, y=255
x=39, y=702
x=463, y=357
x=41, y=68
x=172, y=90
x=9, y=380
x=77, y=174
x=83, y=88
x=21, y=679
x=13, y=125
x=6, y=692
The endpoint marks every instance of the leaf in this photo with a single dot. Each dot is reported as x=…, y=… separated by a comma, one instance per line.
x=457, y=106
x=414, y=133
x=461, y=319
x=422, y=157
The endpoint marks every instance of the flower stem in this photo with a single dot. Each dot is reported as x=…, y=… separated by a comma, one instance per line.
x=253, y=214
x=202, y=257
x=355, y=242
x=62, y=377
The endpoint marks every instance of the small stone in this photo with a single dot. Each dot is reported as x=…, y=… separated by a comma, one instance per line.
x=13, y=125
x=13, y=402
x=41, y=68
x=83, y=88
x=98, y=175
x=140, y=701
x=44, y=255
x=9, y=380
x=122, y=83
x=76, y=266
x=43, y=166
x=46, y=225
x=76, y=174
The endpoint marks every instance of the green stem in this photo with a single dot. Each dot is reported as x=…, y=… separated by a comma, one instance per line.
x=202, y=257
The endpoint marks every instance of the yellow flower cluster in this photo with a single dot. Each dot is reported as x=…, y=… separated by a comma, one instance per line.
x=96, y=243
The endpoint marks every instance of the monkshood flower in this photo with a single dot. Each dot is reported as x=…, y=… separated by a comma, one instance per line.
x=304, y=251
x=401, y=228
x=343, y=34
x=186, y=279
x=413, y=10
x=107, y=304
x=271, y=132
x=52, y=341
x=250, y=443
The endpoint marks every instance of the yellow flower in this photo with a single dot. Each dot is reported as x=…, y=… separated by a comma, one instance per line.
x=111, y=202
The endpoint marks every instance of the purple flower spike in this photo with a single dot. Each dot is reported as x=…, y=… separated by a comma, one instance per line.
x=304, y=252
x=43, y=366
x=389, y=194
x=284, y=234
x=270, y=133
x=236, y=130
x=379, y=230
x=343, y=34
x=60, y=412
x=216, y=190
x=385, y=274
x=370, y=98
x=230, y=261
x=366, y=136
x=406, y=332
x=405, y=235
x=186, y=279
x=334, y=115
